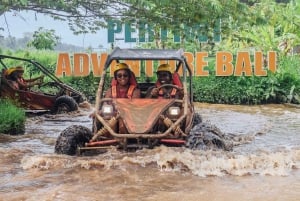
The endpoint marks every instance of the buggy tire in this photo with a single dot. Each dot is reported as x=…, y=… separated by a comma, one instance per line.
x=195, y=137
x=64, y=104
x=197, y=119
x=71, y=138
x=206, y=136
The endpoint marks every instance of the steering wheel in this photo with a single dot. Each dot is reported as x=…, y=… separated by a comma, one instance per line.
x=172, y=86
x=169, y=85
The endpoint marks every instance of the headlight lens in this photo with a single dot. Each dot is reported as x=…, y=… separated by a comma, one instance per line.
x=107, y=110
x=174, y=111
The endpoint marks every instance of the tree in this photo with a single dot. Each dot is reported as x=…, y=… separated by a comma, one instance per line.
x=173, y=15
x=89, y=16
x=266, y=26
x=44, y=39
x=83, y=16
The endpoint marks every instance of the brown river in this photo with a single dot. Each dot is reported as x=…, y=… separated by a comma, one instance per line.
x=263, y=165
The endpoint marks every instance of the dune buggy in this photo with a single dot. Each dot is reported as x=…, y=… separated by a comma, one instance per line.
x=52, y=95
x=132, y=124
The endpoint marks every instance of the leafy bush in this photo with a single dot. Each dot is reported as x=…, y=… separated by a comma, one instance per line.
x=12, y=118
x=280, y=87
x=283, y=86
x=87, y=85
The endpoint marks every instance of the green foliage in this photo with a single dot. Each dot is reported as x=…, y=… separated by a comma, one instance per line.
x=90, y=16
x=265, y=26
x=12, y=118
x=44, y=39
x=82, y=16
x=45, y=57
x=87, y=85
x=243, y=25
x=288, y=75
x=280, y=87
x=257, y=25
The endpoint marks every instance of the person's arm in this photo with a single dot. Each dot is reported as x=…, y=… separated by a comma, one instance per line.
x=23, y=85
x=179, y=93
x=154, y=93
x=136, y=93
x=34, y=79
x=108, y=93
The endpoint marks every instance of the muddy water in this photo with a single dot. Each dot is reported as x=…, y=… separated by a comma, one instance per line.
x=263, y=165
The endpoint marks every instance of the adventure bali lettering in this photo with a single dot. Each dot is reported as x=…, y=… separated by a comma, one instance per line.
x=226, y=64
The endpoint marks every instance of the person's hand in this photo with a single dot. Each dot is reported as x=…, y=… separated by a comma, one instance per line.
x=154, y=92
x=180, y=90
x=93, y=114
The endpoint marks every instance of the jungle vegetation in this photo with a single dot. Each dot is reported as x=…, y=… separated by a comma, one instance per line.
x=253, y=25
x=12, y=118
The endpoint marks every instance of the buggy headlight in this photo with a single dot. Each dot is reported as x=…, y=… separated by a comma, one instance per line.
x=107, y=110
x=173, y=111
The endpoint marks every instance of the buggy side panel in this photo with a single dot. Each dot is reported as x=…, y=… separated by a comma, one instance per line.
x=28, y=99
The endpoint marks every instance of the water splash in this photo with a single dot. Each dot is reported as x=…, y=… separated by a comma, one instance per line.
x=166, y=159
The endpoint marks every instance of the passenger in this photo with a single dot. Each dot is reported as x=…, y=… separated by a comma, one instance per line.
x=15, y=75
x=123, y=84
x=164, y=76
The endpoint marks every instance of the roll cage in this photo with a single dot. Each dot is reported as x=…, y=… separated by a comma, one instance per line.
x=119, y=55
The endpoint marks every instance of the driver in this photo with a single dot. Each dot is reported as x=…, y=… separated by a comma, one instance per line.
x=164, y=76
x=15, y=75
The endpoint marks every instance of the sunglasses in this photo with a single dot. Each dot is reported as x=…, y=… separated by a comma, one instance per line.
x=120, y=75
x=162, y=74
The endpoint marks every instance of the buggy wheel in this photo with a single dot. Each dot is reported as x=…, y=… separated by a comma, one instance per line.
x=206, y=136
x=71, y=138
x=65, y=104
x=197, y=119
x=195, y=138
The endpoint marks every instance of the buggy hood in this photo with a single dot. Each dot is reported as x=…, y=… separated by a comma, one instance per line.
x=139, y=115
